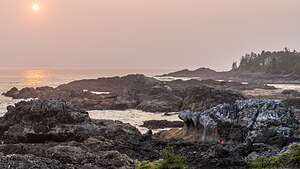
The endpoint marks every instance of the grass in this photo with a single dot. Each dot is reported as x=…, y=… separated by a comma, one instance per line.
x=288, y=160
x=170, y=161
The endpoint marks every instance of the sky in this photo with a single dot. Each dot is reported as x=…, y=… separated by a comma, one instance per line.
x=143, y=34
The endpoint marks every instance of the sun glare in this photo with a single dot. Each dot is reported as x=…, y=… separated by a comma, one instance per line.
x=35, y=77
x=36, y=7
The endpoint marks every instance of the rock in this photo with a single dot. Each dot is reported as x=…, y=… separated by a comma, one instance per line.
x=291, y=92
x=69, y=154
x=114, y=159
x=40, y=121
x=54, y=134
x=40, y=130
x=256, y=121
x=293, y=102
x=13, y=92
x=27, y=92
x=132, y=92
x=66, y=155
x=54, y=120
x=161, y=124
x=208, y=155
x=202, y=98
x=159, y=98
x=28, y=161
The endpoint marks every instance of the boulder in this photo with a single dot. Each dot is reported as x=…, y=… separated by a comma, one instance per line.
x=39, y=121
x=291, y=92
x=13, y=92
x=255, y=121
x=202, y=98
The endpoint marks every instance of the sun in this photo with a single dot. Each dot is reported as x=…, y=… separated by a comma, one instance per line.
x=36, y=7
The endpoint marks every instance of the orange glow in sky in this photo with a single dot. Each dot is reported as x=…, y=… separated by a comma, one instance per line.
x=36, y=7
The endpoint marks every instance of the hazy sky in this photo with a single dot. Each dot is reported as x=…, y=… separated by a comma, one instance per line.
x=168, y=34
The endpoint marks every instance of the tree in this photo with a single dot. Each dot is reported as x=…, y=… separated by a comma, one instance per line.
x=234, y=66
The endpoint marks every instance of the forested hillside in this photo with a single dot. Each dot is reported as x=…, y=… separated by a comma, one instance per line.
x=278, y=62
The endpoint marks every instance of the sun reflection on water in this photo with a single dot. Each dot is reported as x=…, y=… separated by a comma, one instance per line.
x=35, y=78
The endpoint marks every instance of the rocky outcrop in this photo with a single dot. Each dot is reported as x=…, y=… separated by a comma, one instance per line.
x=204, y=73
x=66, y=157
x=202, y=98
x=52, y=133
x=294, y=93
x=132, y=92
x=255, y=121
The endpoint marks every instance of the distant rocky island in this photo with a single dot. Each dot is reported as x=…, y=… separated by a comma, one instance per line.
x=265, y=67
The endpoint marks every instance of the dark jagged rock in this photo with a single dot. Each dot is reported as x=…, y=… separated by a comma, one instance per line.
x=25, y=93
x=208, y=155
x=161, y=124
x=291, y=92
x=40, y=121
x=53, y=129
x=54, y=120
x=255, y=121
x=202, y=98
x=28, y=161
x=293, y=102
x=13, y=92
x=132, y=92
x=54, y=134
x=159, y=98
x=62, y=156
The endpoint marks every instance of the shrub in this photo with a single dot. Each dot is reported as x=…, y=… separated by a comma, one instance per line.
x=288, y=160
x=169, y=161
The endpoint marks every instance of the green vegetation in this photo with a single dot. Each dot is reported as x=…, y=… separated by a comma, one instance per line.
x=281, y=62
x=288, y=160
x=298, y=132
x=169, y=161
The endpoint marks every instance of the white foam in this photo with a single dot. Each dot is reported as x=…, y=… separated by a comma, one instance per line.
x=97, y=93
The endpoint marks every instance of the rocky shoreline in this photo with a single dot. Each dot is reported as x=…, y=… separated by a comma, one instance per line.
x=55, y=134
x=134, y=92
x=220, y=128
